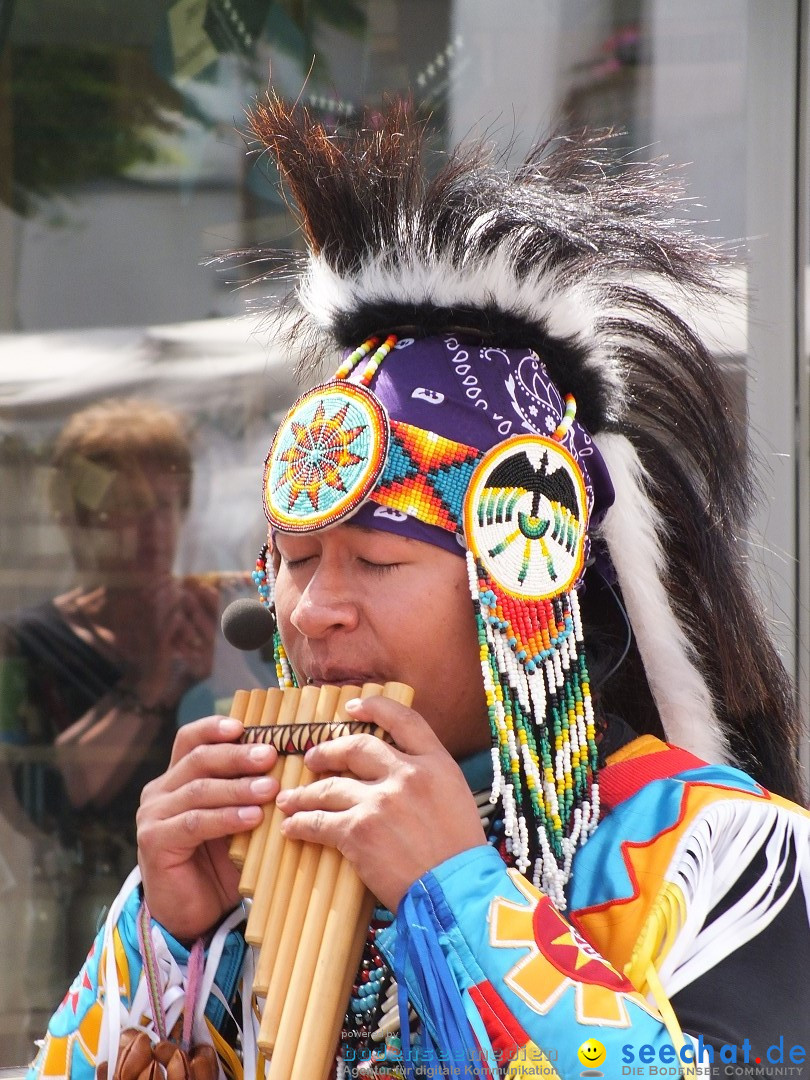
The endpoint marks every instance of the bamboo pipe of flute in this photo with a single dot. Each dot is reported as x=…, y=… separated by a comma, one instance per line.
x=300, y=951
x=351, y=903
x=354, y=963
x=259, y=836
x=281, y=1022
x=320, y=1055
x=253, y=708
x=323, y=954
x=312, y=908
x=266, y=880
x=248, y=848
x=293, y=884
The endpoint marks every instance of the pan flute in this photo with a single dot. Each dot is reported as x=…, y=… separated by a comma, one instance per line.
x=310, y=911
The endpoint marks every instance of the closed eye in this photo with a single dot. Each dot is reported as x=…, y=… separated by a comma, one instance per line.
x=293, y=564
x=378, y=567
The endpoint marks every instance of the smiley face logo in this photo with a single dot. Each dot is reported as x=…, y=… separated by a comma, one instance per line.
x=592, y=1054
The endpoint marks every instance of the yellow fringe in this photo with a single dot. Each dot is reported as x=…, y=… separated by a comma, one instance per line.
x=688, y=1070
x=227, y=1055
x=660, y=929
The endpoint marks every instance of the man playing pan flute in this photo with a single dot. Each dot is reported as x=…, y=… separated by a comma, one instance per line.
x=520, y=494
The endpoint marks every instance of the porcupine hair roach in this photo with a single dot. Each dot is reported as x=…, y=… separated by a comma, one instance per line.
x=574, y=254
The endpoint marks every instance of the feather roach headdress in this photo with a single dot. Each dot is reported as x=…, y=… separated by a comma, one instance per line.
x=551, y=284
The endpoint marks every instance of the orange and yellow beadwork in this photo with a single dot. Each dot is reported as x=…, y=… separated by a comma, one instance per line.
x=337, y=447
x=426, y=476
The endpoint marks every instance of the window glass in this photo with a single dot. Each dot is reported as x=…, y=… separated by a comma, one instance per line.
x=136, y=399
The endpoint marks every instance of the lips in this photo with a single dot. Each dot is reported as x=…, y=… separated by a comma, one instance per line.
x=341, y=677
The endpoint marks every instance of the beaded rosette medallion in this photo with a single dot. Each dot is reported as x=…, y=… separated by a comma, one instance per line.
x=521, y=510
x=325, y=458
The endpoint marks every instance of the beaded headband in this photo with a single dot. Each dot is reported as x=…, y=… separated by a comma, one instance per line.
x=521, y=509
x=336, y=448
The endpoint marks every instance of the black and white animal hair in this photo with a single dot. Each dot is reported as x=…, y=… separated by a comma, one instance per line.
x=572, y=254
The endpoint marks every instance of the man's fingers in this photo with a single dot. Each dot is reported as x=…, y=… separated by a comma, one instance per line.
x=364, y=756
x=211, y=729
x=207, y=748
x=316, y=827
x=213, y=788
x=333, y=793
x=226, y=762
x=368, y=757
x=189, y=829
x=203, y=809
x=408, y=730
x=209, y=793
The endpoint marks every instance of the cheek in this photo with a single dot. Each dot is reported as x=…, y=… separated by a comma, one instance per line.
x=286, y=599
x=459, y=626
x=437, y=619
x=445, y=657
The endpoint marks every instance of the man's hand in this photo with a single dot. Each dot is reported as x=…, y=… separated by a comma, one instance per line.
x=403, y=809
x=214, y=787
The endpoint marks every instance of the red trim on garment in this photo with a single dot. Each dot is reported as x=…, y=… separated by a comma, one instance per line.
x=505, y=1033
x=574, y=916
x=624, y=779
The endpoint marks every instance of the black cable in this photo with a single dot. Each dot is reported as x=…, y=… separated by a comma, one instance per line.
x=628, y=635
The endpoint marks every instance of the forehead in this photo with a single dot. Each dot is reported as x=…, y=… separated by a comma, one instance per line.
x=358, y=537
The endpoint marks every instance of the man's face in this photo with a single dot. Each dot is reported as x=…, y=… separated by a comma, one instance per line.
x=358, y=605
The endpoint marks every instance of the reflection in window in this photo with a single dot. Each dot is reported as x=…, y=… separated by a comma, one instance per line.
x=122, y=171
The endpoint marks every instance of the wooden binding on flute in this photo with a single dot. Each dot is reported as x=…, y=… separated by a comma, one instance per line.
x=309, y=910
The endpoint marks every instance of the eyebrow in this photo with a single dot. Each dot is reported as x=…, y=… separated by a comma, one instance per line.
x=368, y=530
x=364, y=530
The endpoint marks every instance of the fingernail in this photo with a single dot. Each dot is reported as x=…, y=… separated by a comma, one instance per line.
x=282, y=798
x=230, y=727
x=249, y=813
x=353, y=704
x=262, y=785
x=260, y=753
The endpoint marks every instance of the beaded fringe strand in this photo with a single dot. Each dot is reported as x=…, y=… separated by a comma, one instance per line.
x=544, y=739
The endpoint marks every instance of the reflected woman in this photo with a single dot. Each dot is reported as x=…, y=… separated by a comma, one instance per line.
x=98, y=671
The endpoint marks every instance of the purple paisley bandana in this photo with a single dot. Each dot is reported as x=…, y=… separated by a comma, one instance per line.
x=479, y=396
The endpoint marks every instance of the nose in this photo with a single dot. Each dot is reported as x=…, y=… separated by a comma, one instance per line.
x=156, y=529
x=325, y=605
